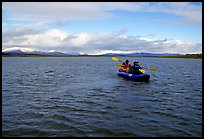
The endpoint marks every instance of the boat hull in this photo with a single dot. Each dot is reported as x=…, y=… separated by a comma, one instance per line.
x=135, y=77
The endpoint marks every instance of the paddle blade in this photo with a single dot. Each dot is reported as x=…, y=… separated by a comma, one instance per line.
x=118, y=64
x=114, y=59
x=141, y=70
x=152, y=69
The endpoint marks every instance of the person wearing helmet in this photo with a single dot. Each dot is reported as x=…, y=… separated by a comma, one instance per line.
x=135, y=68
x=126, y=65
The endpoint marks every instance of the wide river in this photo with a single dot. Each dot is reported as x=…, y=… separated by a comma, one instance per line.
x=84, y=97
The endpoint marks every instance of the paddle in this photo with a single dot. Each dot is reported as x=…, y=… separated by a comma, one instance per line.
x=118, y=64
x=115, y=59
x=141, y=70
x=151, y=68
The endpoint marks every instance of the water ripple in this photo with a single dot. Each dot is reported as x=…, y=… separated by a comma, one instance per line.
x=81, y=97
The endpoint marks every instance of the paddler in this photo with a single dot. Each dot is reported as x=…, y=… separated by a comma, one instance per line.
x=126, y=65
x=135, y=68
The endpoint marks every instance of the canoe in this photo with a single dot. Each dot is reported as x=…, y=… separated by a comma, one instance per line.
x=135, y=77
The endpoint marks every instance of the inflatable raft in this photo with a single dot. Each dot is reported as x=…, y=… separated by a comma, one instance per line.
x=134, y=77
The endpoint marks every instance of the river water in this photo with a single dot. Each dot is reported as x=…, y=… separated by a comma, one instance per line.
x=84, y=97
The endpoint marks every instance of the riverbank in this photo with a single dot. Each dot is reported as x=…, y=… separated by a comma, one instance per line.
x=184, y=56
x=199, y=56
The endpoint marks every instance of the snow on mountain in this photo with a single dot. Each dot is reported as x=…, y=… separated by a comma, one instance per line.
x=24, y=50
x=53, y=51
x=19, y=50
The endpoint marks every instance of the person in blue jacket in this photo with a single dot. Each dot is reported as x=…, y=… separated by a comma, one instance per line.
x=135, y=68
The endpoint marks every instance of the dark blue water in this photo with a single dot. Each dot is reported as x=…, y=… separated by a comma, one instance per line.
x=83, y=96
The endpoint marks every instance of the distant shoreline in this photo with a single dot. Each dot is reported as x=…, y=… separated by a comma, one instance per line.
x=196, y=56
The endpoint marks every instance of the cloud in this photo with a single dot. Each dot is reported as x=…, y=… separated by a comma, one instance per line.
x=55, y=10
x=189, y=13
x=23, y=29
x=51, y=38
x=64, y=11
x=96, y=43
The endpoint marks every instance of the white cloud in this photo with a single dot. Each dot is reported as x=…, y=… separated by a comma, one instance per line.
x=81, y=39
x=55, y=10
x=36, y=11
x=23, y=29
x=96, y=43
x=51, y=38
x=190, y=14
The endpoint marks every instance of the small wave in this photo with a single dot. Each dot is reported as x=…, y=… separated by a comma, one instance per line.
x=25, y=132
x=178, y=131
x=105, y=132
x=6, y=90
x=50, y=71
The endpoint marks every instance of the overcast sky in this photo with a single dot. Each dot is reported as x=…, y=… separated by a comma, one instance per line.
x=103, y=27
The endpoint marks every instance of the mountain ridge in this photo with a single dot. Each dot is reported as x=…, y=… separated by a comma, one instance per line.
x=18, y=51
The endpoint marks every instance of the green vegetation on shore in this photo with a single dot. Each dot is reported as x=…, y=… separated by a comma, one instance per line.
x=184, y=56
